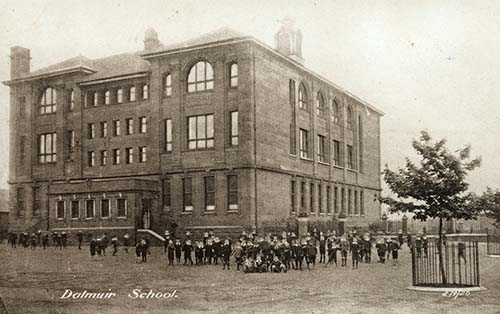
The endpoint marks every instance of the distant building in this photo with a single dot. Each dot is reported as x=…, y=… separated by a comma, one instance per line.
x=217, y=133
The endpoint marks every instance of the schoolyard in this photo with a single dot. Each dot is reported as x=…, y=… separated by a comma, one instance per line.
x=33, y=281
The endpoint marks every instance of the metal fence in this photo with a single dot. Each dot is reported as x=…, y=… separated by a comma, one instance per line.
x=493, y=244
x=460, y=265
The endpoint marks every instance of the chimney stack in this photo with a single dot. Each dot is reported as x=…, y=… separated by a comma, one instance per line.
x=288, y=40
x=19, y=62
x=151, y=40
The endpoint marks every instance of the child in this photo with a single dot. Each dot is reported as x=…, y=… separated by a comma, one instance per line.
x=238, y=255
x=126, y=241
x=344, y=247
x=394, y=248
x=332, y=253
x=322, y=249
x=355, y=253
x=178, y=250
x=114, y=244
x=188, y=248
x=92, y=247
x=226, y=253
x=170, y=252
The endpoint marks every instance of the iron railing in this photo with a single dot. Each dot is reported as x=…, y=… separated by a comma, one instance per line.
x=493, y=244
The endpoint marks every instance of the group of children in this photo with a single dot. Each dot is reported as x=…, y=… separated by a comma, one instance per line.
x=38, y=239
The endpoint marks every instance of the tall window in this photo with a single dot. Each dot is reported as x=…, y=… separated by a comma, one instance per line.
x=321, y=148
x=105, y=210
x=47, y=148
x=356, y=205
x=304, y=143
x=302, y=195
x=232, y=192
x=37, y=201
x=143, y=125
x=20, y=208
x=71, y=144
x=349, y=202
x=233, y=73
x=210, y=193
x=60, y=210
x=130, y=126
x=350, y=157
x=320, y=105
x=75, y=209
x=89, y=209
x=48, y=101
x=234, y=128
x=142, y=154
x=311, y=197
x=107, y=97
x=293, y=131
x=91, y=130
x=342, y=200
x=293, y=195
x=71, y=100
x=335, y=112
x=201, y=132
x=187, y=191
x=104, y=157
x=131, y=94
x=145, y=91
x=129, y=155
x=119, y=95
x=361, y=203
x=168, y=135
x=167, y=193
x=116, y=127
x=335, y=200
x=91, y=159
x=328, y=199
x=96, y=99
x=167, y=85
x=22, y=153
x=116, y=156
x=320, y=198
x=360, y=143
x=349, y=118
x=200, y=77
x=336, y=153
x=303, y=98
x=121, y=205
x=104, y=129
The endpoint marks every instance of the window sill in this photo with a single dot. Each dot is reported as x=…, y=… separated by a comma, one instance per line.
x=306, y=159
x=209, y=212
x=60, y=219
x=199, y=150
x=77, y=218
x=186, y=213
x=198, y=92
x=105, y=218
x=121, y=217
x=338, y=167
x=352, y=170
x=323, y=163
x=233, y=211
x=90, y=218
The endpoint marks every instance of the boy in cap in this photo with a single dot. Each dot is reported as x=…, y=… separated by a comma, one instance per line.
x=344, y=248
x=64, y=239
x=45, y=240
x=355, y=252
x=209, y=251
x=238, y=255
x=178, y=250
x=226, y=253
x=126, y=242
x=79, y=238
x=394, y=247
x=188, y=248
x=216, y=250
x=322, y=248
x=166, y=242
x=170, y=252
x=92, y=247
x=381, y=249
x=144, y=249
x=114, y=244
x=198, y=253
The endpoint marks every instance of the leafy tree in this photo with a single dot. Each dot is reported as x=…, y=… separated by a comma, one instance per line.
x=489, y=203
x=434, y=188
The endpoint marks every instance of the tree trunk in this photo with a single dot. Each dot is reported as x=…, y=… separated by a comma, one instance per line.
x=440, y=250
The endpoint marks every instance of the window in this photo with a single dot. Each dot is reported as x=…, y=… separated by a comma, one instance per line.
x=302, y=195
x=37, y=201
x=360, y=143
x=71, y=100
x=349, y=118
x=356, y=207
x=142, y=153
x=321, y=148
x=361, y=203
x=201, y=77
x=335, y=200
x=60, y=210
x=336, y=153
x=105, y=212
x=107, y=97
x=130, y=126
x=167, y=85
x=21, y=107
x=131, y=93
x=320, y=105
x=116, y=156
x=335, y=112
x=210, y=193
x=91, y=99
x=48, y=101
x=304, y=143
x=201, y=132
x=328, y=199
x=168, y=135
x=233, y=74
x=232, y=192
x=104, y=129
x=187, y=193
x=320, y=198
x=47, y=148
x=22, y=152
x=119, y=95
x=293, y=130
x=342, y=200
x=91, y=159
x=89, y=209
x=121, y=205
x=104, y=157
x=234, y=128
x=350, y=157
x=167, y=193
x=71, y=143
x=116, y=127
x=303, y=98
x=145, y=91
x=293, y=194
x=143, y=125
x=129, y=155
x=349, y=202
x=311, y=198
x=20, y=201
x=90, y=130
x=75, y=209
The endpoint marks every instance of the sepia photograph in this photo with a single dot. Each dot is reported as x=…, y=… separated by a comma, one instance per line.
x=279, y=156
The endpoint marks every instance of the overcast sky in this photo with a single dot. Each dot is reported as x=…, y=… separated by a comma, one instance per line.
x=427, y=64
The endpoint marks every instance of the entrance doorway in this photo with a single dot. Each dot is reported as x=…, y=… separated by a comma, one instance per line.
x=146, y=213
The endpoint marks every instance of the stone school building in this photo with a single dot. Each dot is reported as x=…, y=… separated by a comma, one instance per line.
x=221, y=132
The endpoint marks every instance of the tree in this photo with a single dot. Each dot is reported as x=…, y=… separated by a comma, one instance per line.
x=489, y=203
x=435, y=188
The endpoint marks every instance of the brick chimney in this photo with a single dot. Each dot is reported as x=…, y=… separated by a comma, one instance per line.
x=151, y=40
x=19, y=62
x=288, y=40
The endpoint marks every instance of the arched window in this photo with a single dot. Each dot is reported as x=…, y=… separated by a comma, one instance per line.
x=303, y=97
x=349, y=118
x=320, y=105
x=48, y=101
x=131, y=94
x=233, y=73
x=119, y=95
x=107, y=97
x=335, y=112
x=71, y=100
x=167, y=85
x=200, y=77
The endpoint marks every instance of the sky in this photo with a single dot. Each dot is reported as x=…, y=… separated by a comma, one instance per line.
x=429, y=65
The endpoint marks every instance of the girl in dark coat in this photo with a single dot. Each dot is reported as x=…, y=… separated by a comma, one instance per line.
x=92, y=247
